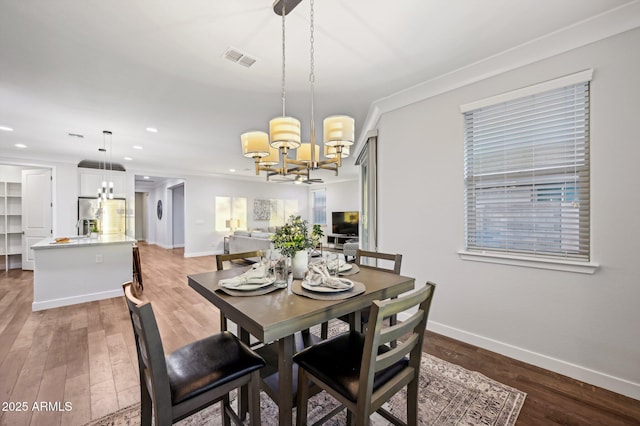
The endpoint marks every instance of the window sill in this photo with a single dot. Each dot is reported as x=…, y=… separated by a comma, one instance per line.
x=530, y=262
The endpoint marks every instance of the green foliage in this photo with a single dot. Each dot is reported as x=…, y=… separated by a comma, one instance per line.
x=294, y=236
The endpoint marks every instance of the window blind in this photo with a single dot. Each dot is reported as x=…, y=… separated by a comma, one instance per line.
x=527, y=175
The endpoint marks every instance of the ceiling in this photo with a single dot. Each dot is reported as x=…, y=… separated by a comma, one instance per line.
x=77, y=66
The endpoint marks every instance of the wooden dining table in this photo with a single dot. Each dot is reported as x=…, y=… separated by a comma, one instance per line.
x=276, y=318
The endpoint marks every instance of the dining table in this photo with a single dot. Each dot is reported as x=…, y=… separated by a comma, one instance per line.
x=281, y=319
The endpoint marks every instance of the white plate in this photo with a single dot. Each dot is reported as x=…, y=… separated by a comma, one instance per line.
x=248, y=287
x=345, y=267
x=323, y=289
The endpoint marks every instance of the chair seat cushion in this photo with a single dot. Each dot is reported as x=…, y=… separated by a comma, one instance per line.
x=208, y=363
x=337, y=362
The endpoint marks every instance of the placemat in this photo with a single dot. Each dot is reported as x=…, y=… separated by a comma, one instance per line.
x=358, y=287
x=258, y=292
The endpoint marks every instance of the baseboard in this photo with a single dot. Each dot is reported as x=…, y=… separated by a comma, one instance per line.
x=596, y=378
x=56, y=303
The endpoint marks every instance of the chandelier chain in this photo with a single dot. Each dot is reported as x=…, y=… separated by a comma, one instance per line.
x=312, y=78
x=283, y=61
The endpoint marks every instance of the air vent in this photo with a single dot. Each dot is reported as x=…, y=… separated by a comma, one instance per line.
x=90, y=164
x=234, y=55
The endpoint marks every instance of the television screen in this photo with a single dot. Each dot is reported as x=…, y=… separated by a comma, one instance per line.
x=345, y=223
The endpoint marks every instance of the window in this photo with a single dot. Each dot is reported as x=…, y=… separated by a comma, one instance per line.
x=231, y=208
x=527, y=172
x=319, y=206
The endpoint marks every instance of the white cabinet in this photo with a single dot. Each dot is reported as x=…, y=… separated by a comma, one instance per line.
x=91, y=179
x=11, y=225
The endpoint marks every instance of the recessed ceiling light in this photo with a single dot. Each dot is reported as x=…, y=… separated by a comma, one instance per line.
x=232, y=170
x=6, y=129
x=128, y=158
x=145, y=177
x=136, y=147
x=152, y=129
x=20, y=145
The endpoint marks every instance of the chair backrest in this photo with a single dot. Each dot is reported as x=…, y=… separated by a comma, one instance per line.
x=395, y=258
x=224, y=257
x=137, y=273
x=412, y=332
x=151, y=360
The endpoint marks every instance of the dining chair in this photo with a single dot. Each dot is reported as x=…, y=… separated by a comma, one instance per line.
x=220, y=259
x=361, y=257
x=361, y=371
x=192, y=377
x=137, y=285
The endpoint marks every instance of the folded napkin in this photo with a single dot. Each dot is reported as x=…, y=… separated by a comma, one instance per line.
x=318, y=275
x=256, y=275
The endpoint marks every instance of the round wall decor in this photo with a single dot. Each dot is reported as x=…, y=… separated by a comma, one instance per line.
x=159, y=209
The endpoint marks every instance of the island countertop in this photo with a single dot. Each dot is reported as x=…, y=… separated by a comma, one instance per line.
x=82, y=241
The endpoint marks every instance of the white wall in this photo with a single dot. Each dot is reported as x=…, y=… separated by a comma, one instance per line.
x=341, y=196
x=200, y=193
x=584, y=326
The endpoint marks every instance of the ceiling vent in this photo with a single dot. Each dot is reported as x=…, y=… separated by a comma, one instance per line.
x=234, y=55
x=90, y=164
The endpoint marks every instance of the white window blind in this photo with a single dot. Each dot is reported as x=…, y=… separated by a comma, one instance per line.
x=527, y=175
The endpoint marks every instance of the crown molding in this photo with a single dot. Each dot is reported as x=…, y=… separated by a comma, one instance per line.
x=599, y=27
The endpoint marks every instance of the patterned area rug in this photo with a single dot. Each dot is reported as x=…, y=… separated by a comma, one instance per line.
x=449, y=395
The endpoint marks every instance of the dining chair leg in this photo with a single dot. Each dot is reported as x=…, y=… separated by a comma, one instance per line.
x=226, y=420
x=243, y=407
x=146, y=405
x=302, y=398
x=254, y=398
x=412, y=402
x=324, y=330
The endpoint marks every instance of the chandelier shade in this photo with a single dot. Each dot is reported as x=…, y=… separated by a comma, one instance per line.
x=272, y=159
x=255, y=144
x=339, y=130
x=284, y=132
x=332, y=151
x=303, y=153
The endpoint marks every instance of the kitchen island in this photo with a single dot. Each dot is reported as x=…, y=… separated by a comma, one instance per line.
x=80, y=269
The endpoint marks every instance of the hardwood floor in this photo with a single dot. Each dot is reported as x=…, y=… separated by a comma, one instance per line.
x=84, y=355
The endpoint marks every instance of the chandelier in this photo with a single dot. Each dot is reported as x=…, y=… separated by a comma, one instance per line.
x=270, y=151
x=106, y=188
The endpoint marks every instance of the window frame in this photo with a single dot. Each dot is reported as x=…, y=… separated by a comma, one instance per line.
x=521, y=257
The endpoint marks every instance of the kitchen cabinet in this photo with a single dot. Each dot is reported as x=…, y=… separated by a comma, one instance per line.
x=10, y=225
x=91, y=179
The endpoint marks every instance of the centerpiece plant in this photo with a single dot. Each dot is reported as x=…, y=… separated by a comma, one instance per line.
x=294, y=236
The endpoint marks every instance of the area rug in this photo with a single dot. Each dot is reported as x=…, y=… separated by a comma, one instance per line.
x=448, y=395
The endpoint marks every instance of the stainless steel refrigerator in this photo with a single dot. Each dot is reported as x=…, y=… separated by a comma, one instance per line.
x=108, y=216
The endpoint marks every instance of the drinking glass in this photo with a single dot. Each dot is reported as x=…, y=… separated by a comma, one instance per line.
x=280, y=270
x=333, y=264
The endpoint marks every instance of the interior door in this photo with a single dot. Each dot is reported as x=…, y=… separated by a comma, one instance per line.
x=36, y=211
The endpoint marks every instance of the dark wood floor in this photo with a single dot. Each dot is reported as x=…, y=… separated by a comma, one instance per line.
x=85, y=354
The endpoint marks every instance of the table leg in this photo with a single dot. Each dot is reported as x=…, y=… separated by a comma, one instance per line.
x=285, y=379
x=355, y=321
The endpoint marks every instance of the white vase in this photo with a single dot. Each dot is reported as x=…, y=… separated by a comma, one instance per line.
x=299, y=264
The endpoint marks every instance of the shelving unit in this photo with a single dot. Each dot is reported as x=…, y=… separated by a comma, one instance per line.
x=11, y=225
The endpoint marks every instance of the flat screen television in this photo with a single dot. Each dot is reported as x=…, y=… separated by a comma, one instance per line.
x=345, y=223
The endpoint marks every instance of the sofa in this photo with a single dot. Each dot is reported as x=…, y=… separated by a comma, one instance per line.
x=242, y=241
